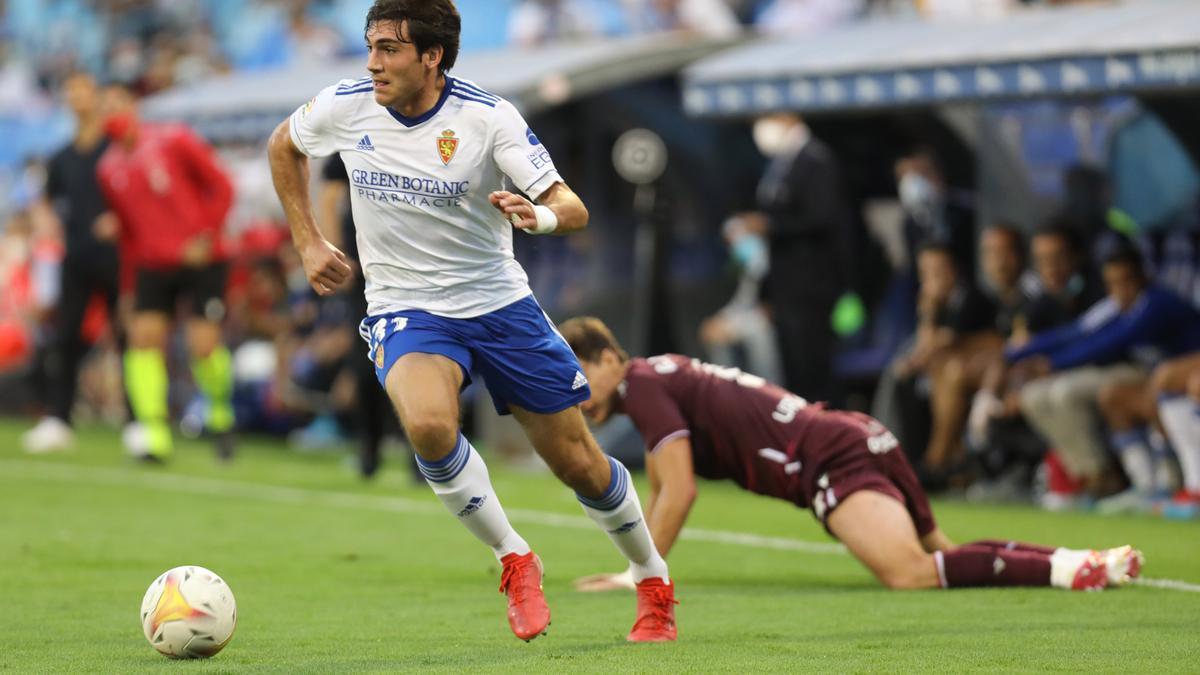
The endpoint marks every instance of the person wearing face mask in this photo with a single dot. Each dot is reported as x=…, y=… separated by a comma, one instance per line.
x=804, y=218
x=932, y=214
x=73, y=204
x=171, y=197
x=740, y=333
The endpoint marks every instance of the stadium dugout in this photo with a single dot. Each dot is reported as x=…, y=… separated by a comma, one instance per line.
x=873, y=90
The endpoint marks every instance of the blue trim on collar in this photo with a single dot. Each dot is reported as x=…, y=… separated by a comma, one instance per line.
x=424, y=117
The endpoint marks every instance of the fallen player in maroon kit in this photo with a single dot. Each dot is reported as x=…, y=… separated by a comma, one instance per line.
x=721, y=423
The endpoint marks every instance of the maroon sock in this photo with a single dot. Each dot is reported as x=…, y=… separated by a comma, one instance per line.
x=985, y=566
x=998, y=545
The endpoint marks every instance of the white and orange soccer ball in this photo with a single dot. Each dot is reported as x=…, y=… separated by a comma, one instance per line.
x=189, y=613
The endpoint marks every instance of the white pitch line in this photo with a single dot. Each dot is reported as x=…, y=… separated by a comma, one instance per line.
x=1169, y=584
x=218, y=487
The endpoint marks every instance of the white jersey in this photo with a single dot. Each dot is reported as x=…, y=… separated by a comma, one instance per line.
x=428, y=239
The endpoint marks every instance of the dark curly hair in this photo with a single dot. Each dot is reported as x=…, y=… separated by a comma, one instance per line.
x=431, y=23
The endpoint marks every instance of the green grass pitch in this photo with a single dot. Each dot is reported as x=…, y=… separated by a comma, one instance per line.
x=333, y=575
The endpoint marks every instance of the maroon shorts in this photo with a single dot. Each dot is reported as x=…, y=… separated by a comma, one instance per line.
x=877, y=464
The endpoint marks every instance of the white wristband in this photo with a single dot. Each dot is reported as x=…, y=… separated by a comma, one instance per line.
x=547, y=222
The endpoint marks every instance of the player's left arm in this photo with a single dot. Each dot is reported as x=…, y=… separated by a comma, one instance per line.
x=567, y=213
x=520, y=155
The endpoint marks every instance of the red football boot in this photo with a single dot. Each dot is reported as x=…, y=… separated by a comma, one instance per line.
x=655, y=612
x=521, y=581
x=1092, y=574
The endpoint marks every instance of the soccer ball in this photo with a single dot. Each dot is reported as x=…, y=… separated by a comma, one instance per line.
x=188, y=613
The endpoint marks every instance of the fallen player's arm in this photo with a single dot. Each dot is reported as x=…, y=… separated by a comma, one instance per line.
x=558, y=210
x=325, y=266
x=672, y=491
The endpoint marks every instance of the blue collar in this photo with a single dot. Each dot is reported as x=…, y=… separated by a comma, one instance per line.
x=423, y=117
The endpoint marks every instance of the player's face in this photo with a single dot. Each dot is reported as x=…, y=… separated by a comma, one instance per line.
x=1001, y=259
x=936, y=271
x=81, y=95
x=604, y=376
x=1123, y=283
x=396, y=68
x=1052, y=260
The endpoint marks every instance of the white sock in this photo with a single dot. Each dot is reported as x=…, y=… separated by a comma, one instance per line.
x=1182, y=421
x=620, y=514
x=1135, y=458
x=1064, y=564
x=1166, y=478
x=462, y=482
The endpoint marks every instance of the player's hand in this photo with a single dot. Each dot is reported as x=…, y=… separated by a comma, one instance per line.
x=517, y=209
x=325, y=266
x=197, y=252
x=621, y=581
x=106, y=227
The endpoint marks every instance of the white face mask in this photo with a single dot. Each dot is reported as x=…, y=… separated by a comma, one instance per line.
x=916, y=192
x=771, y=136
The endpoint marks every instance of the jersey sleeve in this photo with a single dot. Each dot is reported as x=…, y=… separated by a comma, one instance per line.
x=519, y=153
x=654, y=413
x=314, y=127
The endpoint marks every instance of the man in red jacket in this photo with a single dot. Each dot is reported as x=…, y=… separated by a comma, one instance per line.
x=172, y=198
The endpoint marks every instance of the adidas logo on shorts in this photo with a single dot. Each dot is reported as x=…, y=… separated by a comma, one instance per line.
x=580, y=381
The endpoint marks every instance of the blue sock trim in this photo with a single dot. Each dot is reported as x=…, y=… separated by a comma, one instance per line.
x=1123, y=439
x=1168, y=398
x=618, y=486
x=447, y=468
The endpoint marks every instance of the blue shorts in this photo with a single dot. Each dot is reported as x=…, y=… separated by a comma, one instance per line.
x=523, y=359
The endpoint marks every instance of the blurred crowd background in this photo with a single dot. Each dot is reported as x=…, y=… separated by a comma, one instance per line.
x=915, y=277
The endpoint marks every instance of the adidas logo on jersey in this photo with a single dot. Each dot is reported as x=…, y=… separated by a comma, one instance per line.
x=580, y=381
x=365, y=145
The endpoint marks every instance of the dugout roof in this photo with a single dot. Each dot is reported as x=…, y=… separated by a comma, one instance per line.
x=1138, y=46
x=248, y=106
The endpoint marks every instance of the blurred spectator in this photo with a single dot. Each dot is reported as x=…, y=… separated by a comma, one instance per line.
x=73, y=208
x=741, y=334
x=932, y=212
x=16, y=303
x=371, y=411
x=710, y=18
x=964, y=9
x=539, y=22
x=803, y=214
x=1111, y=344
x=1176, y=387
x=1007, y=448
x=798, y=17
x=957, y=372
x=952, y=316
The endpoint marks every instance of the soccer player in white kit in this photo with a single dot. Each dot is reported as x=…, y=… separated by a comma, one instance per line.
x=427, y=154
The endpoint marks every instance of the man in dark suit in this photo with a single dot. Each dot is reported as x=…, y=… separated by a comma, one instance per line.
x=804, y=216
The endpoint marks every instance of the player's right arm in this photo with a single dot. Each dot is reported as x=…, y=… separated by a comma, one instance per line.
x=672, y=491
x=312, y=127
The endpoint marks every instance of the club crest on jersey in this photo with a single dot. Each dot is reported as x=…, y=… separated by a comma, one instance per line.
x=447, y=145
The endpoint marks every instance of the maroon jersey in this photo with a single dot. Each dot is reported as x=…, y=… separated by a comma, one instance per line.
x=741, y=427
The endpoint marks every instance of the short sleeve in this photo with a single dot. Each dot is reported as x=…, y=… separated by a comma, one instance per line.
x=654, y=413
x=519, y=153
x=313, y=125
